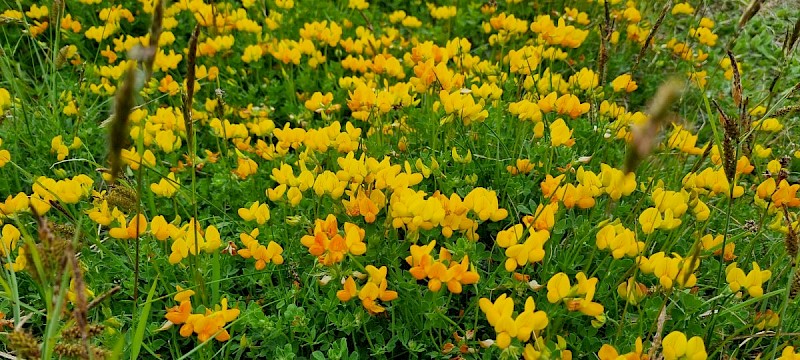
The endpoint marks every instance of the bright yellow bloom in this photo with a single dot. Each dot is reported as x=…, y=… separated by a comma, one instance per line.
x=620, y=240
x=616, y=183
x=675, y=346
x=8, y=241
x=256, y=211
x=500, y=315
x=461, y=106
x=632, y=291
x=670, y=270
x=5, y=99
x=752, y=282
x=348, y=291
x=166, y=187
x=625, y=83
x=530, y=251
x=329, y=246
x=714, y=243
x=58, y=147
x=102, y=215
x=375, y=289
x=789, y=353
x=358, y=4
x=161, y=229
x=484, y=203
x=5, y=155
x=136, y=227
x=682, y=8
x=608, y=352
x=786, y=194
x=576, y=297
x=272, y=253
x=560, y=134
x=252, y=53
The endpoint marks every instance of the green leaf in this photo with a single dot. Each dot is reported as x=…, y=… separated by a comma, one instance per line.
x=138, y=336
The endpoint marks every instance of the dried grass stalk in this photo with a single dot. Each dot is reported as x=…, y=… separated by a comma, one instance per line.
x=736, y=88
x=729, y=140
x=751, y=11
x=652, y=33
x=118, y=131
x=644, y=136
x=791, y=241
x=786, y=110
x=792, y=37
x=155, y=33
x=190, y=79
x=606, y=29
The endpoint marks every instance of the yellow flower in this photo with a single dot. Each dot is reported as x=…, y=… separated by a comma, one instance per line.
x=620, y=240
x=608, y=352
x=676, y=347
x=684, y=141
x=762, y=152
x=102, y=215
x=578, y=297
x=37, y=12
x=72, y=295
x=5, y=99
x=5, y=156
x=136, y=227
x=466, y=159
x=484, y=203
x=789, y=353
x=252, y=53
x=767, y=320
x=161, y=229
x=786, y=194
x=245, y=166
x=329, y=183
x=58, y=147
x=682, y=8
x=560, y=134
x=769, y=125
x=625, y=83
x=321, y=103
x=166, y=187
x=358, y=4
x=616, y=183
x=257, y=212
x=650, y=220
x=10, y=236
x=442, y=12
x=285, y=4
x=530, y=251
x=670, y=270
x=704, y=36
x=348, y=291
x=329, y=246
x=272, y=253
x=752, y=282
x=461, y=106
x=500, y=315
x=132, y=158
x=585, y=79
x=375, y=289
x=632, y=291
x=715, y=243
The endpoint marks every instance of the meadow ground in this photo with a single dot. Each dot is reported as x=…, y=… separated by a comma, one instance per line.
x=458, y=179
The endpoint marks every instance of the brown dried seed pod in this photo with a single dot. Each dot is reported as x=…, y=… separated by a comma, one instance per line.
x=118, y=131
x=123, y=197
x=795, y=287
x=24, y=345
